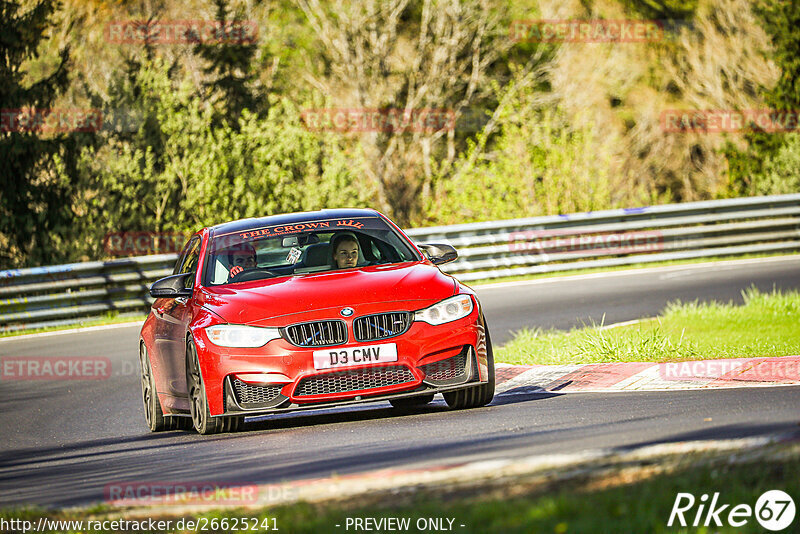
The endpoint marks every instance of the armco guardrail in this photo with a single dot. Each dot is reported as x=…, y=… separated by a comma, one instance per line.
x=610, y=238
x=66, y=294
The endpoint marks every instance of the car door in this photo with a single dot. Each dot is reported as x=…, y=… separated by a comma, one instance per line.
x=176, y=314
x=163, y=332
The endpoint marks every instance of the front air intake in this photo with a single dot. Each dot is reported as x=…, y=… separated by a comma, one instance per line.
x=356, y=380
x=250, y=396
x=451, y=371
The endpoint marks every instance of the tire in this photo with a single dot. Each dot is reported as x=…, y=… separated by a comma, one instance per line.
x=412, y=402
x=153, y=414
x=202, y=420
x=475, y=396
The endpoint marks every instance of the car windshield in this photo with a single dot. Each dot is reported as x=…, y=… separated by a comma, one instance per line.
x=303, y=248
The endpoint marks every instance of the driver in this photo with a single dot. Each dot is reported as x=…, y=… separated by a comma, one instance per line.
x=241, y=257
x=345, y=251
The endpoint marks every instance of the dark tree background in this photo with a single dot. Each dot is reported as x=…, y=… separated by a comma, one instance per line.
x=34, y=203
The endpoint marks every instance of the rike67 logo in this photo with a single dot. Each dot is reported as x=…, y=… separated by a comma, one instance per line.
x=774, y=510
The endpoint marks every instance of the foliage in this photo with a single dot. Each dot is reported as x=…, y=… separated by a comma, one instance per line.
x=541, y=163
x=197, y=134
x=230, y=66
x=33, y=202
x=781, y=169
x=768, y=163
x=178, y=171
x=410, y=55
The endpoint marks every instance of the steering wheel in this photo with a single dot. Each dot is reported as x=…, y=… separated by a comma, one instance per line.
x=252, y=274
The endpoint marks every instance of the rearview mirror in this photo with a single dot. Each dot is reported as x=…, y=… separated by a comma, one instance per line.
x=299, y=240
x=171, y=287
x=439, y=254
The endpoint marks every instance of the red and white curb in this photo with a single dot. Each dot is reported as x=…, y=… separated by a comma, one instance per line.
x=645, y=376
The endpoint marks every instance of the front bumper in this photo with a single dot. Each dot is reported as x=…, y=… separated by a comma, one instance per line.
x=460, y=371
x=419, y=349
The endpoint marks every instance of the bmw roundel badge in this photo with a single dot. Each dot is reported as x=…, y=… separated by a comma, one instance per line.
x=347, y=312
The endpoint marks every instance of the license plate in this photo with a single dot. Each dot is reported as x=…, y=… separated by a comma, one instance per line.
x=335, y=357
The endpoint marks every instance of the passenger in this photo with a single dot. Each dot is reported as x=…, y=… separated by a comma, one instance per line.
x=241, y=257
x=345, y=251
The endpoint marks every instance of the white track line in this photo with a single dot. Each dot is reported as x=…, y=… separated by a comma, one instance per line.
x=79, y=330
x=628, y=272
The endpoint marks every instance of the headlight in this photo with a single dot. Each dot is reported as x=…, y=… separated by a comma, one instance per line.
x=232, y=335
x=445, y=311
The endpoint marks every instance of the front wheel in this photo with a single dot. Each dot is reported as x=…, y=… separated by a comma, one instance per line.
x=202, y=420
x=475, y=396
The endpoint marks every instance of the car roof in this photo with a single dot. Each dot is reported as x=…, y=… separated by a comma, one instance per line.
x=290, y=218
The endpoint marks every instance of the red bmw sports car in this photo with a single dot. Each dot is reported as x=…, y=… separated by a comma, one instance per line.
x=308, y=310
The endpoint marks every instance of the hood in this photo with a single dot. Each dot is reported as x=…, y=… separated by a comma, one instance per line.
x=366, y=289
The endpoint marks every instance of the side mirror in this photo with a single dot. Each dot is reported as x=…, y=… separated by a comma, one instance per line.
x=439, y=254
x=171, y=287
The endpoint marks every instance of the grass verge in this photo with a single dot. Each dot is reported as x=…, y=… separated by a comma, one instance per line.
x=628, y=497
x=765, y=325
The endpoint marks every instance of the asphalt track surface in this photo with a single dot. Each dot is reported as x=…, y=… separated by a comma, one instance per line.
x=62, y=442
